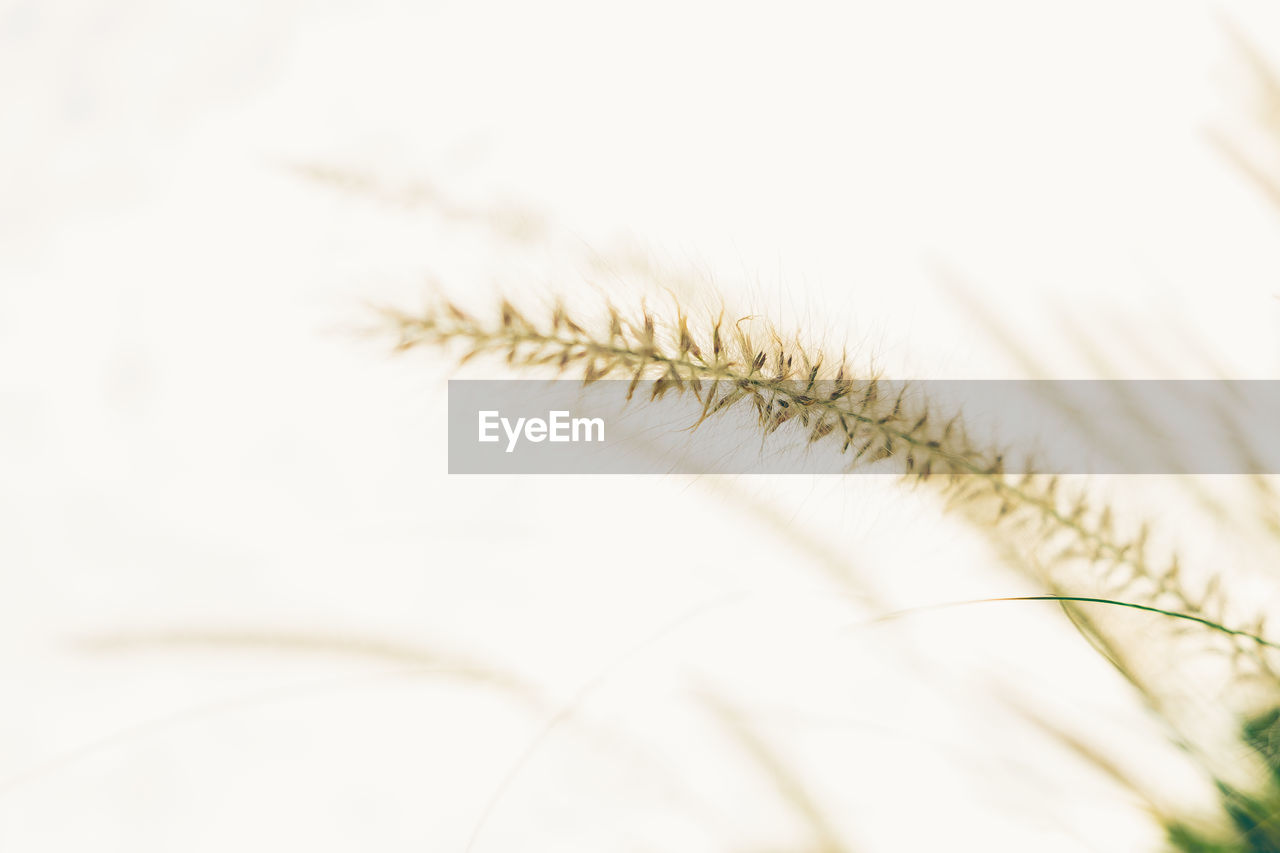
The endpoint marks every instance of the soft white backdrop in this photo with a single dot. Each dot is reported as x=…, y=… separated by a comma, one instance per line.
x=242, y=606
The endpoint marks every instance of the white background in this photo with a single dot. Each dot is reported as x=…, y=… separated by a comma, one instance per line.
x=242, y=606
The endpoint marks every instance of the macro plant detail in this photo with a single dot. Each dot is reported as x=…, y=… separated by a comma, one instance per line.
x=1050, y=529
x=833, y=427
